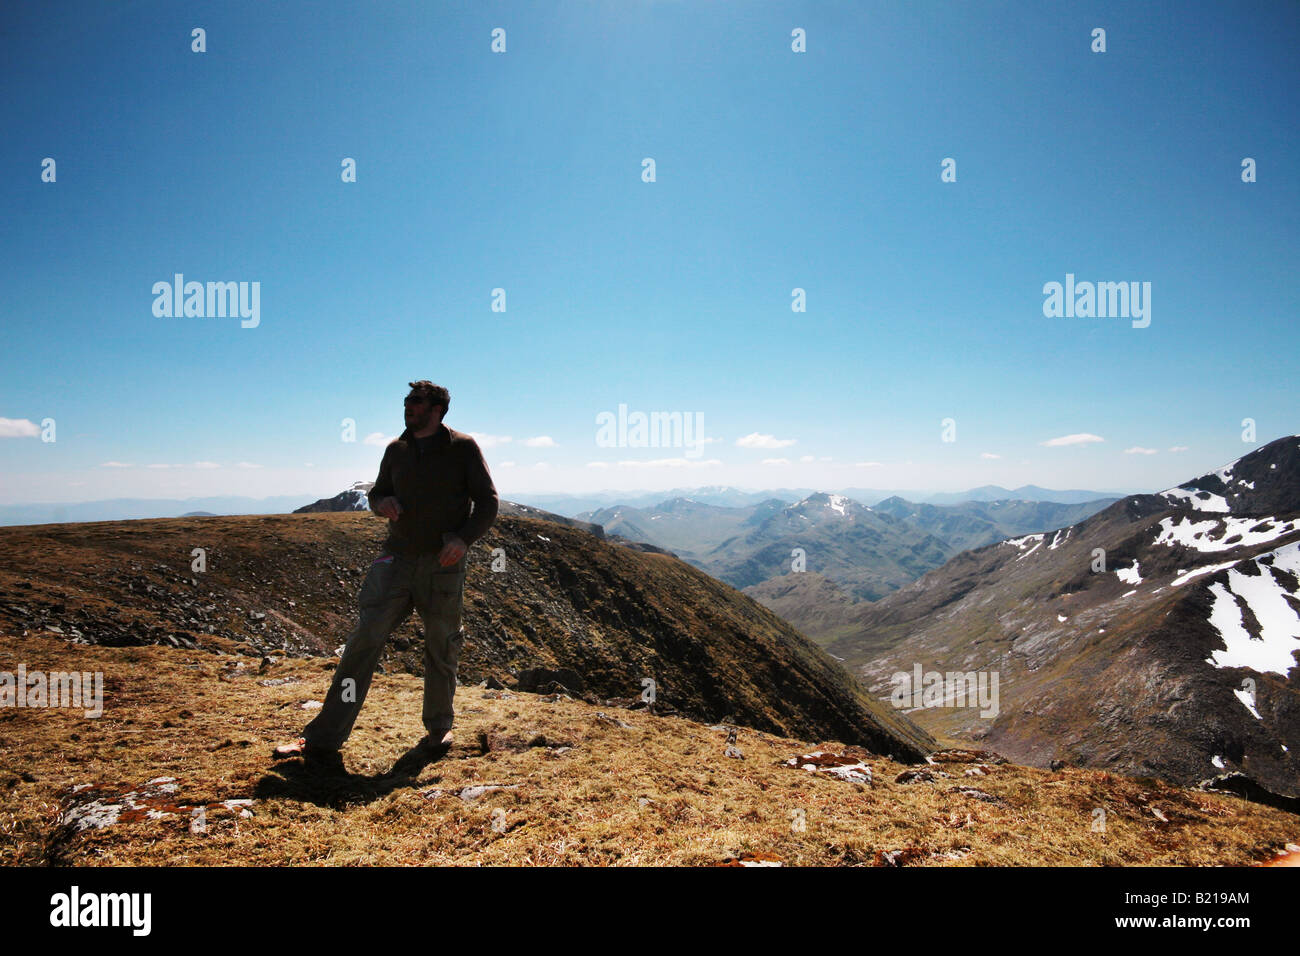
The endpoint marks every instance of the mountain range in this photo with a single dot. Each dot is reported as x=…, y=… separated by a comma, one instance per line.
x=122, y=509
x=1156, y=637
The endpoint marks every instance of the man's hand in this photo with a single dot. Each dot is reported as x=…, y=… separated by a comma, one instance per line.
x=388, y=508
x=452, y=552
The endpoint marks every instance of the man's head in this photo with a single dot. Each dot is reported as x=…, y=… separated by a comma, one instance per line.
x=426, y=404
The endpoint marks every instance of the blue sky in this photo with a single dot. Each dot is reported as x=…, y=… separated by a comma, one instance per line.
x=522, y=170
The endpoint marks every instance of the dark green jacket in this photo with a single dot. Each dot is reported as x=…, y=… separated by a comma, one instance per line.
x=435, y=491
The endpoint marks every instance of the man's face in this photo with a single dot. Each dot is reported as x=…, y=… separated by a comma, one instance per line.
x=420, y=412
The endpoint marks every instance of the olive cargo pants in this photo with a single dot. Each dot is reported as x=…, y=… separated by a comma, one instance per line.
x=392, y=587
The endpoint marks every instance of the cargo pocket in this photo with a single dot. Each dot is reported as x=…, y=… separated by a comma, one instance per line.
x=445, y=594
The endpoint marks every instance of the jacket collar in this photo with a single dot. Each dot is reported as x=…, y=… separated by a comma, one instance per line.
x=440, y=437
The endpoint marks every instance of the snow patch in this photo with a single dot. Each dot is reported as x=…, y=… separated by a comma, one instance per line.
x=1202, y=536
x=1198, y=500
x=1185, y=576
x=1247, y=703
x=1021, y=542
x=1129, y=575
x=1279, y=624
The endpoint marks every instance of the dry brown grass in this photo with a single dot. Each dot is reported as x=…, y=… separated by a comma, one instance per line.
x=658, y=793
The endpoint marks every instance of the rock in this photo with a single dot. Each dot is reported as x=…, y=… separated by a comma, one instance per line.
x=842, y=766
x=976, y=794
x=542, y=680
x=605, y=718
x=748, y=858
x=468, y=794
x=966, y=756
x=920, y=776
x=901, y=857
x=95, y=806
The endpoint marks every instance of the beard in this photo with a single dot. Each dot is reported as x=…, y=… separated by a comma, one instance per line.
x=418, y=421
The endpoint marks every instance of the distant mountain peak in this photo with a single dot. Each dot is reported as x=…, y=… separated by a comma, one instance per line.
x=840, y=504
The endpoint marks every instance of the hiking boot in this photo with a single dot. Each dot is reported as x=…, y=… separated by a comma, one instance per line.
x=299, y=748
x=435, y=744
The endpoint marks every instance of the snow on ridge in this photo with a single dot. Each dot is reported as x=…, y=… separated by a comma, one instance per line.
x=1129, y=575
x=837, y=503
x=1185, y=576
x=1200, y=534
x=1020, y=542
x=1225, y=472
x=1031, y=551
x=1279, y=624
x=1210, y=501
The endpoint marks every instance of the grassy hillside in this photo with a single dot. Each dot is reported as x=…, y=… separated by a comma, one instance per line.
x=576, y=787
x=564, y=599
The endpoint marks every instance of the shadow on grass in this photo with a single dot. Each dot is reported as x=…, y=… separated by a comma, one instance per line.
x=328, y=783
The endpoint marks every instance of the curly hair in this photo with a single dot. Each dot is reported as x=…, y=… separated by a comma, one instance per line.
x=436, y=394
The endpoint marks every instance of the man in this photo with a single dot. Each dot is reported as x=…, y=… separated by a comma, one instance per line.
x=427, y=480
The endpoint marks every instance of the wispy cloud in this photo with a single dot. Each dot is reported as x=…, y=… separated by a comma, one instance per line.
x=1135, y=450
x=1083, y=438
x=755, y=440
x=670, y=463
